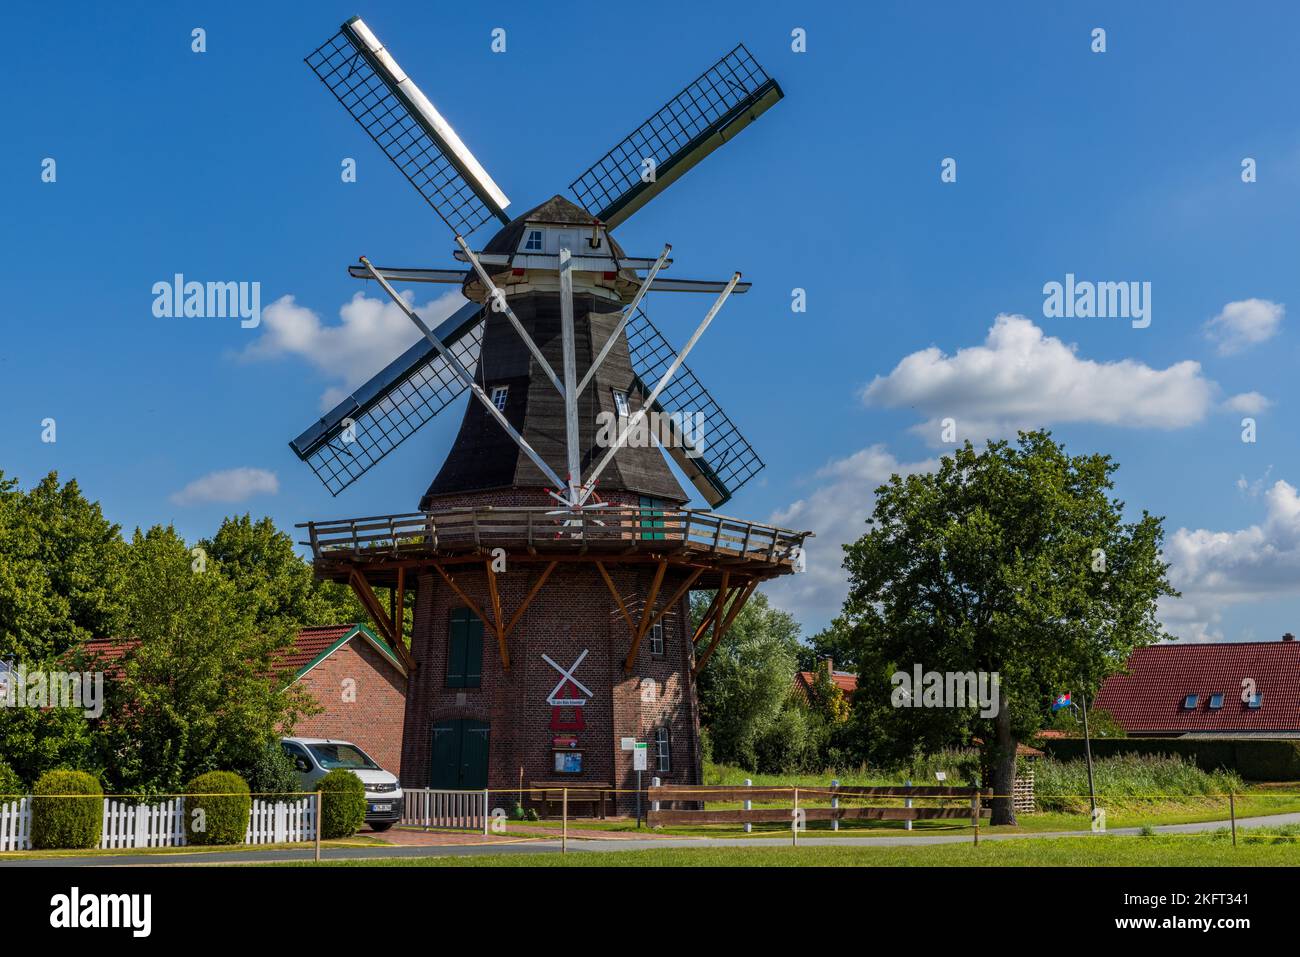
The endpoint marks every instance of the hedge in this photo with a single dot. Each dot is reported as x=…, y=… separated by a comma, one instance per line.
x=69, y=822
x=1253, y=758
x=217, y=806
x=11, y=786
x=343, y=804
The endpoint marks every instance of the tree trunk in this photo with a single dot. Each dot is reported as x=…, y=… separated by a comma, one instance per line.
x=1003, y=778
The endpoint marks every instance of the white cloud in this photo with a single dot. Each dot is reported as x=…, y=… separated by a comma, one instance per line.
x=1248, y=403
x=1021, y=378
x=1215, y=570
x=1243, y=324
x=373, y=333
x=230, y=485
x=836, y=510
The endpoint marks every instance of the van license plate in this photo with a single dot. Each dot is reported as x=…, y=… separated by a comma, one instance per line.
x=381, y=807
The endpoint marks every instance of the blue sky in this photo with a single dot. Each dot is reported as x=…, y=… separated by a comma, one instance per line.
x=1115, y=166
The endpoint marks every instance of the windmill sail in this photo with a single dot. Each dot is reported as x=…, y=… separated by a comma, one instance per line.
x=721, y=460
x=713, y=108
x=391, y=407
x=399, y=117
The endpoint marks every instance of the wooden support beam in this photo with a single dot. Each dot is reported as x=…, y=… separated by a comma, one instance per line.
x=617, y=598
x=399, y=622
x=470, y=603
x=682, y=589
x=646, y=612
x=373, y=608
x=532, y=593
x=719, y=597
x=737, y=603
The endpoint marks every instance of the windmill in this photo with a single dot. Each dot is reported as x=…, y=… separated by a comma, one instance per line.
x=568, y=378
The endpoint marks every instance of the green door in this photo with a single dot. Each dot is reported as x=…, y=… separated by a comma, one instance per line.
x=460, y=755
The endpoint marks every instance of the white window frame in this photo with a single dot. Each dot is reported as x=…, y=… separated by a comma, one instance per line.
x=657, y=639
x=500, y=393
x=622, y=405
x=663, y=750
x=528, y=240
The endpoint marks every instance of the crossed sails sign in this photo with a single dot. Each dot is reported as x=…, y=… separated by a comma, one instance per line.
x=566, y=678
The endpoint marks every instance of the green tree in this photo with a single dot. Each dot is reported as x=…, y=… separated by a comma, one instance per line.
x=836, y=641
x=62, y=570
x=748, y=680
x=261, y=562
x=1013, y=560
x=200, y=690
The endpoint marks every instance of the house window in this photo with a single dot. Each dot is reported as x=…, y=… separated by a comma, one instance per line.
x=499, y=394
x=621, y=405
x=1190, y=702
x=1255, y=700
x=1216, y=702
x=657, y=638
x=464, y=649
x=534, y=242
x=663, y=750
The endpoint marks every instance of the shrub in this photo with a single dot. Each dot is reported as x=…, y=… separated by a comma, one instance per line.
x=1126, y=779
x=1253, y=759
x=343, y=804
x=67, y=821
x=272, y=775
x=11, y=786
x=217, y=806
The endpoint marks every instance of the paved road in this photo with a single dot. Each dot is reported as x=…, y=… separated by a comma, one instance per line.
x=595, y=844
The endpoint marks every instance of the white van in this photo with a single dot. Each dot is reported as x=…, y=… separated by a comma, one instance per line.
x=316, y=757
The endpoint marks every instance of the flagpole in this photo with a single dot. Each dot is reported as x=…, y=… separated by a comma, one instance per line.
x=1087, y=750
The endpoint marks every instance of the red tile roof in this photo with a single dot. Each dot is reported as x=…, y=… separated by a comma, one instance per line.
x=1150, y=697
x=309, y=645
x=846, y=682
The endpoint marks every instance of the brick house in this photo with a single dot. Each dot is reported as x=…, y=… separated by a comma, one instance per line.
x=1237, y=689
x=361, y=685
x=846, y=681
x=354, y=676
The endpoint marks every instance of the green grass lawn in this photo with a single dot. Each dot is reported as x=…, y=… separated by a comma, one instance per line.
x=1160, y=851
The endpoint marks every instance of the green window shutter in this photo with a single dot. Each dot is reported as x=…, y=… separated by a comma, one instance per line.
x=456, y=641
x=473, y=668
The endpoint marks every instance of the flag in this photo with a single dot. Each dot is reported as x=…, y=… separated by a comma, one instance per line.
x=1062, y=702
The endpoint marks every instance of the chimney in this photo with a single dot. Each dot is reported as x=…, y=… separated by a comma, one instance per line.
x=1288, y=637
x=830, y=666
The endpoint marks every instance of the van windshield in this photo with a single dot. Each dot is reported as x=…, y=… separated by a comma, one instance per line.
x=348, y=756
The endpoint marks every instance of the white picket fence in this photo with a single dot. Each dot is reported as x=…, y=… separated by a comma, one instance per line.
x=426, y=807
x=16, y=825
x=163, y=825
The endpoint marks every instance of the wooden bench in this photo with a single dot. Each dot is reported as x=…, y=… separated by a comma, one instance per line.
x=547, y=793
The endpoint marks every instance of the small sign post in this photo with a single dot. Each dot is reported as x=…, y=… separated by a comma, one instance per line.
x=638, y=765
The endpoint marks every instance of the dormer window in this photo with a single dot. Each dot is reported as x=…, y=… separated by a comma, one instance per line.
x=533, y=244
x=1190, y=702
x=499, y=394
x=1216, y=701
x=621, y=406
x=1254, y=701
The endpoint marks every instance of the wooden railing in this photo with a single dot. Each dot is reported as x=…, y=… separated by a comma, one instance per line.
x=546, y=529
x=782, y=804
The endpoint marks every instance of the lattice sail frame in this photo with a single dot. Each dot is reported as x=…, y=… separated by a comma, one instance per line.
x=726, y=460
x=731, y=86
x=378, y=428
x=348, y=72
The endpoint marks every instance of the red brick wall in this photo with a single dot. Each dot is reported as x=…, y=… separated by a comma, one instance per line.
x=364, y=701
x=573, y=611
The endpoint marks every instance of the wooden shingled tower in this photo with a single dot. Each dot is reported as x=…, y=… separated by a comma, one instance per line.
x=551, y=561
